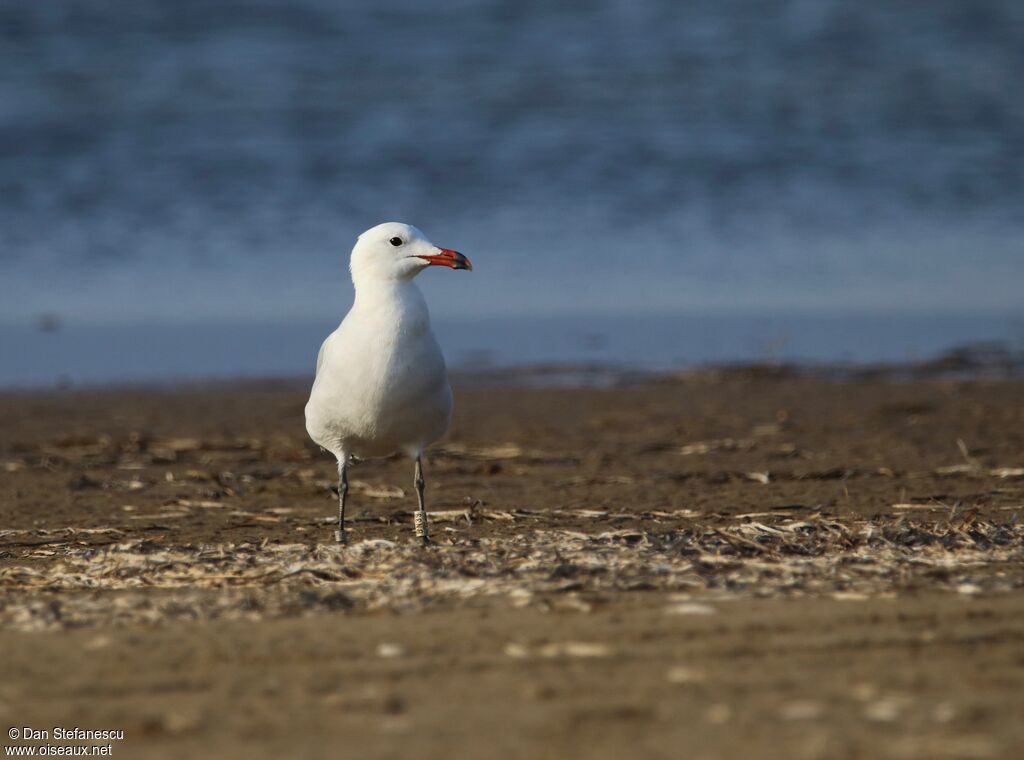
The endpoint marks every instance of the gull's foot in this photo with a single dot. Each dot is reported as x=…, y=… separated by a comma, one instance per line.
x=341, y=536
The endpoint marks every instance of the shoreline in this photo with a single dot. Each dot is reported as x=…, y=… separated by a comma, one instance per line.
x=972, y=361
x=88, y=355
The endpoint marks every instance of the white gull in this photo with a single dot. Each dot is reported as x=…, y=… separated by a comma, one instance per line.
x=381, y=384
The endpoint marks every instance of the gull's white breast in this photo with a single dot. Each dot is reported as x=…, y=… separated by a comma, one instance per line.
x=381, y=383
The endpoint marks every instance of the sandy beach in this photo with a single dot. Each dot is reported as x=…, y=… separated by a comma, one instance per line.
x=678, y=566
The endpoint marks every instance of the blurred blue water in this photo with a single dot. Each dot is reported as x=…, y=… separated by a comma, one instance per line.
x=167, y=353
x=188, y=161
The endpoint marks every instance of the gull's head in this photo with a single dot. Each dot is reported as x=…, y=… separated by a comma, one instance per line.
x=396, y=251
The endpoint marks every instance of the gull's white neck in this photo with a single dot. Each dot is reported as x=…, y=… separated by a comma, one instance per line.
x=395, y=300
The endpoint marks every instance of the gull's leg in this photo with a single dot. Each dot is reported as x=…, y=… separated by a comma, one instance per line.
x=422, y=528
x=339, y=534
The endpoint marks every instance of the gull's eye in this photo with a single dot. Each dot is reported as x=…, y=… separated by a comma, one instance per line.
x=395, y=241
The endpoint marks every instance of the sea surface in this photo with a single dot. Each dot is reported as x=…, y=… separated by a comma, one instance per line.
x=168, y=353
x=809, y=177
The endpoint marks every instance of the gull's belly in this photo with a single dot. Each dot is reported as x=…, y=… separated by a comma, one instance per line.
x=372, y=403
x=406, y=421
